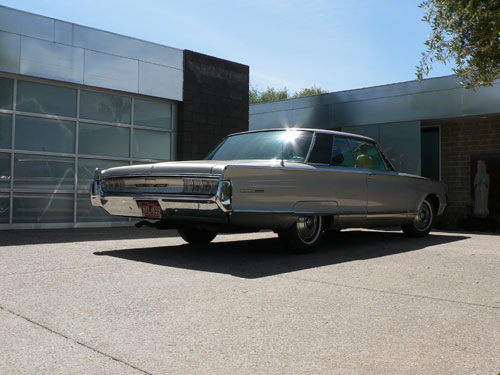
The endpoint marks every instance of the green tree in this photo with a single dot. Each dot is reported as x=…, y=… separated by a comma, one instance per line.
x=271, y=94
x=467, y=33
x=308, y=92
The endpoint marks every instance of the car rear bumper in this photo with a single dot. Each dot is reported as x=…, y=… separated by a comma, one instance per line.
x=204, y=208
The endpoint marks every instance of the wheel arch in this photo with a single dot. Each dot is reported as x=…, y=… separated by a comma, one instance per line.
x=434, y=200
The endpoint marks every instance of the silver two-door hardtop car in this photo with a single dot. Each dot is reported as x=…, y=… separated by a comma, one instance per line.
x=296, y=182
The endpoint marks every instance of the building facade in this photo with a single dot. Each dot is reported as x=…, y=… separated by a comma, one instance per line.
x=435, y=128
x=73, y=99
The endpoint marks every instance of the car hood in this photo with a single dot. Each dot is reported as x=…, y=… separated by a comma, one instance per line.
x=213, y=168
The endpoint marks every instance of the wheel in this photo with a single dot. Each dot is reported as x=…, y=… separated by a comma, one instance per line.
x=304, y=235
x=196, y=236
x=422, y=224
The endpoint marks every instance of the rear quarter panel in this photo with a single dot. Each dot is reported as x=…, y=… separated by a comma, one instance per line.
x=422, y=188
x=297, y=188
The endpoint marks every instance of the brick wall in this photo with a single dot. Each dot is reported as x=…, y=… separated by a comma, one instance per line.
x=463, y=141
x=215, y=103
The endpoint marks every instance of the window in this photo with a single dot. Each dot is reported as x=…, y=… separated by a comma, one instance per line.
x=367, y=155
x=53, y=136
x=292, y=145
x=105, y=107
x=151, y=145
x=44, y=172
x=155, y=114
x=5, y=130
x=6, y=93
x=322, y=150
x=4, y=208
x=430, y=152
x=342, y=155
x=5, y=171
x=103, y=140
x=47, y=135
x=43, y=208
x=46, y=99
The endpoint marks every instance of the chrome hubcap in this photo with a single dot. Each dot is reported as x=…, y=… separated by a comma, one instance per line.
x=308, y=228
x=424, y=217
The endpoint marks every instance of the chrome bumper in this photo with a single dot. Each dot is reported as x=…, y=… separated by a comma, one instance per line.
x=204, y=208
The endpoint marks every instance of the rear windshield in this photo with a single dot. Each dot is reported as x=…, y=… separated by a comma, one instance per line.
x=291, y=145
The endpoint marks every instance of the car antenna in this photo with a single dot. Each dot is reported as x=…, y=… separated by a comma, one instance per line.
x=282, y=162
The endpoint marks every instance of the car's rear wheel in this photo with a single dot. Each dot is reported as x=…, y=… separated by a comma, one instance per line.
x=422, y=223
x=304, y=235
x=196, y=236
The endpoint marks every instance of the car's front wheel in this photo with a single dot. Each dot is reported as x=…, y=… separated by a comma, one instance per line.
x=196, y=236
x=422, y=223
x=304, y=235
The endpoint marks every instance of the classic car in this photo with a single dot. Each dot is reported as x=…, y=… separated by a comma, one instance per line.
x=296, y=182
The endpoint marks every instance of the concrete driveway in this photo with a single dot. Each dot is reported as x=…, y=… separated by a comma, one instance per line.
x=140, y=301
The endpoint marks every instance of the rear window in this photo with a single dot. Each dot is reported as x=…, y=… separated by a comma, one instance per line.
x=342, y=155
x=367, y=155
x=322, y=150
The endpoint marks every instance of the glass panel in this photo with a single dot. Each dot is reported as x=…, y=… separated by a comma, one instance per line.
x=5, y=130
x=342, y=154
x=46, y=99
x=85, y=212
x=151, y=145
x=322, y=151
x=43, y=208
x=44, y=172
x=104, y=140
x=86, y=168
x=150, y=113
x=367, y=155
x=292, y=145
x=5, y=171
x=4, y=208
x=38, y=134
x=430, y=153
x=6, y=93
x=401, y=142
x=105, y=107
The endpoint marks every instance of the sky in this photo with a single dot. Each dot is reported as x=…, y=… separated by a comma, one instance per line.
x=331, y=44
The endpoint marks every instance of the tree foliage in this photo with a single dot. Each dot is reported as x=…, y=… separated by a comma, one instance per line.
x=271, y=94
x=467, y=33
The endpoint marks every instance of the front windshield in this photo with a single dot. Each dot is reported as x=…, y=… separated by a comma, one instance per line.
x=292, y=145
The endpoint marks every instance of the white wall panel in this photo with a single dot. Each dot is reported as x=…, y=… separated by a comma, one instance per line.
x=63, y=32
x=120, y=45
x=110, y=71
x=27, y=24
x=157, y=80
x=10, y=45
x=51, y=60
x=48, y=48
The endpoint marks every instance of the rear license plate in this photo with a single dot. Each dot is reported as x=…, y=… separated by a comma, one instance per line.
x=151, y=210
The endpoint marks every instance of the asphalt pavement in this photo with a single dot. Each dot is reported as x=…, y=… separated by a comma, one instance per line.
x=141, y=301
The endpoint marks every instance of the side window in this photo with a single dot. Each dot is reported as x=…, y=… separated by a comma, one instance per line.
x=367, y=155
x=322, y=150
x=342, y=154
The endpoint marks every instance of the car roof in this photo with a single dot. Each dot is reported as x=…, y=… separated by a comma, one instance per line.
x=325, y=131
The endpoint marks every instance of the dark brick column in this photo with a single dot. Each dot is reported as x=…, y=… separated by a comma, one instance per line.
x=463, y=142
x=215, y=103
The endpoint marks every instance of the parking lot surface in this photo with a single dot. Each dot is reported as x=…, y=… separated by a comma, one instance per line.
x=141, y=301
